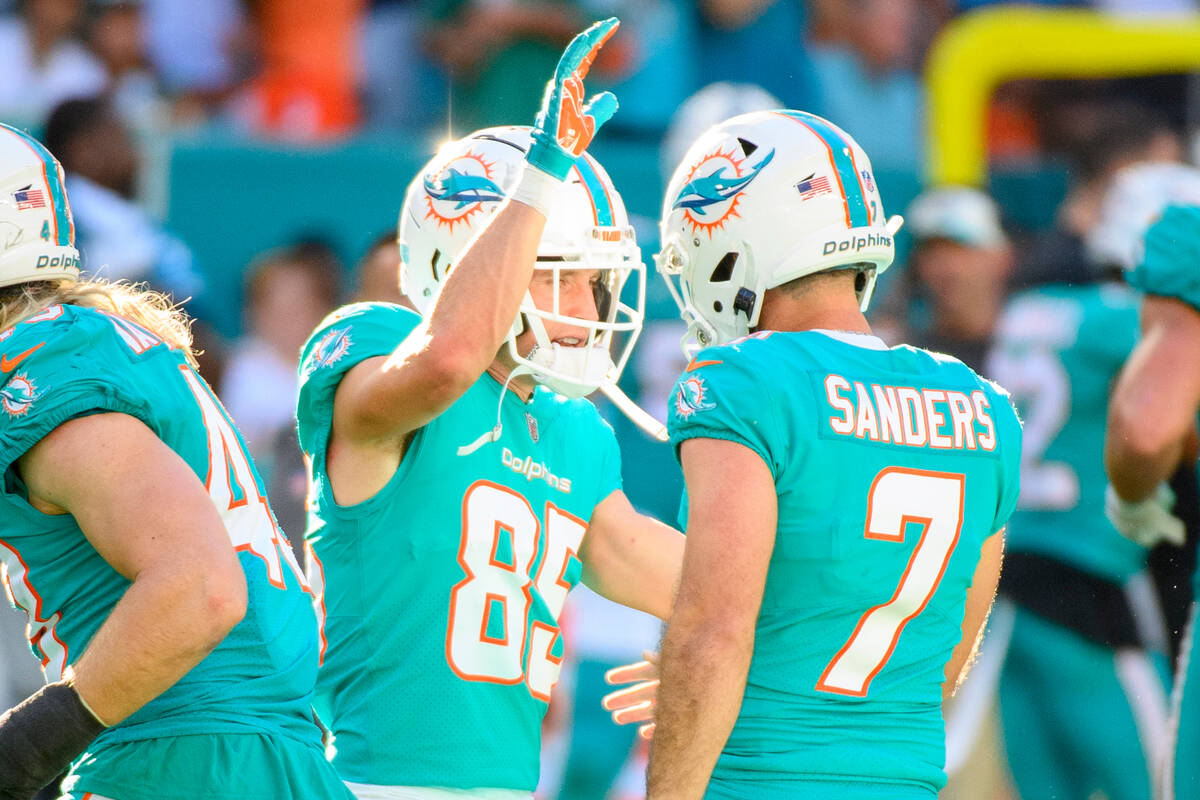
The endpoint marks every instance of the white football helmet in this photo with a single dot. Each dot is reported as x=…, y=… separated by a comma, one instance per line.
x=760, y=200
x=37, y=233
x=1136, y=198
x=709, y=106
x=588, y=229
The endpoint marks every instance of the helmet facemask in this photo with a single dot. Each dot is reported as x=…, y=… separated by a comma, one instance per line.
x=734, y=305
x=609, y=259
x=588, y=230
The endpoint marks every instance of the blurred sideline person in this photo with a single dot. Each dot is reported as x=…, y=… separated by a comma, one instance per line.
x=831, y=596
x=1087, y=648
x=460, y=485
x=175, y=631
x=377, y=276
x=118, y=239
x=1152, y=428
x=960, y=264
x=287, y=294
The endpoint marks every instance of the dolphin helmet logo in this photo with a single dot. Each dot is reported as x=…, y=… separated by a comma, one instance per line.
x=463, y=187
x=713, y=188
x=459, y=190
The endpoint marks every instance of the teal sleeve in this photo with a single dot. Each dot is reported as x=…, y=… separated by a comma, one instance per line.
x=722, y=397
x=346, y=337
x=1009, y=435
x=79, y=398
x=72, y=374
x=1170, y=265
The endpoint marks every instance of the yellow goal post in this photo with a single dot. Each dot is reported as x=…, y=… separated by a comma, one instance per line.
x=978, y=51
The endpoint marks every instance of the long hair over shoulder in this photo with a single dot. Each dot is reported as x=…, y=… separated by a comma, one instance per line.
x=135, y=302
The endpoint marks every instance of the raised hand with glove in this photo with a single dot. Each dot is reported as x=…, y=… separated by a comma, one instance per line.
x=565, y=125
x=1147, y=522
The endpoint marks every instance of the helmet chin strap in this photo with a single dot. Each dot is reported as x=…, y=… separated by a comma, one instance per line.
x=591, y=365
x=635, y=413
x=571, y=371
x=519, y=369
x=494, y=434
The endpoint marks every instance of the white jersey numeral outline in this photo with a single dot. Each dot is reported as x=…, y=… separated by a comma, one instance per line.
x=900, y=496
x=503, y=588
x=41, y=628
x=230, y=481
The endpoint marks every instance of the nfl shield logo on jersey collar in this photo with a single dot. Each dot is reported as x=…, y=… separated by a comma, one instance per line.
x=532, y=422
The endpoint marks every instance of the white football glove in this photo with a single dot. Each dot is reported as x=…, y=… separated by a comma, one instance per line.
x=1147, y=522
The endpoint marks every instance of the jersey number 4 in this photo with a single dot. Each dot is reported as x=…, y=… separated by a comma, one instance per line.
x=899, y=497
x=231, y=484
x=488, y=630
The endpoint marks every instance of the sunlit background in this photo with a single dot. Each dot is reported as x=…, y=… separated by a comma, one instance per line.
x=250, y=158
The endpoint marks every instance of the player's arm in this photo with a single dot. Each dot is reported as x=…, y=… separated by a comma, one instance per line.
x=631, y=558
x=1152, y=411
x=146, y=513
x=383, y=399
x=979, y=605
x=710, y=636
x=386, y=397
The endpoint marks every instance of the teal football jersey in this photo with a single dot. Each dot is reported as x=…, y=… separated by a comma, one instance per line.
x=67, y=362
x=442, y=592
x=1058, y=350
x=891, y=466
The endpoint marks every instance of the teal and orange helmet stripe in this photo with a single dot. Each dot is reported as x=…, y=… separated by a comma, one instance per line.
x=64, y=225
x=845, y=168
x=602, y=208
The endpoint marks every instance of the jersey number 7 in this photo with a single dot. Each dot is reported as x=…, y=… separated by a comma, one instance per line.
x=898, y=497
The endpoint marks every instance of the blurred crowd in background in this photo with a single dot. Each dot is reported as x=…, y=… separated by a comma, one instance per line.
x=124, y=92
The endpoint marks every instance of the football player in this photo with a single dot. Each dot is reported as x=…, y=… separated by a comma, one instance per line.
x=175, y=630
x=1151, y=427
x=845, y=499
x=461, y=485
x=1086, y=645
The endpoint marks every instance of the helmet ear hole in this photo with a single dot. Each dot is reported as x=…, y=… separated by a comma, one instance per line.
x=433, y=260
x=724, y=269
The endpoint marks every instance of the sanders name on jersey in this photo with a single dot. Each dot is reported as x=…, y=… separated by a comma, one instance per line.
x=939, y=418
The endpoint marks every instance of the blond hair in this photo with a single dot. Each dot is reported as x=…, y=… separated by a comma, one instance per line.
x=135, y=302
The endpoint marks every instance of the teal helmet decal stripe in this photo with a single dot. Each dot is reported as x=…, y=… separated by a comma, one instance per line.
x=601, y=202
x=64, y=226
x=841, y=156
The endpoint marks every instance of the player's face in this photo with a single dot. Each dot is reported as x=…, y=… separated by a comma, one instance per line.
x=578, y=292
x=953, y=272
